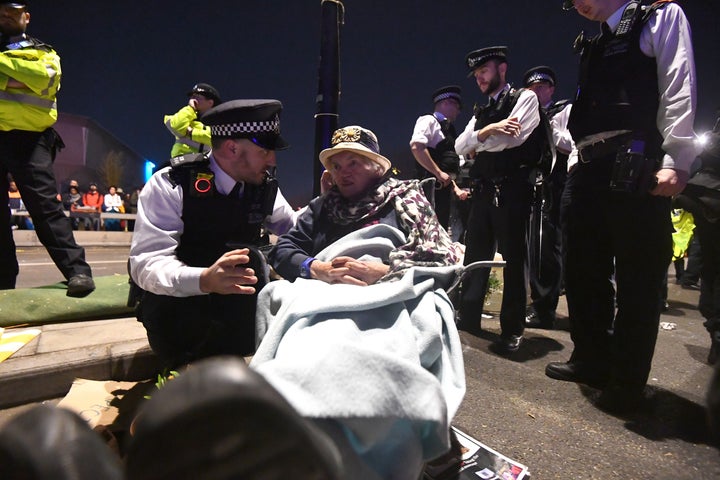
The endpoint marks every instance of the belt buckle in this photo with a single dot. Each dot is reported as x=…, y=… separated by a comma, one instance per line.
x=582, y=157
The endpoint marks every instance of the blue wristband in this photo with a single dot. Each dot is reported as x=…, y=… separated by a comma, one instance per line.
x=305, y=268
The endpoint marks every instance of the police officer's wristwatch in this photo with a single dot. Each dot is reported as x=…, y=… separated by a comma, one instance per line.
x=305, y=268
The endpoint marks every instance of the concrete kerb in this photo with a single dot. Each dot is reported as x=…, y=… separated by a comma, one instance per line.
x=86, y=238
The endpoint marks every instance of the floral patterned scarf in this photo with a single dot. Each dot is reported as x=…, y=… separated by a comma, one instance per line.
x=428, y=244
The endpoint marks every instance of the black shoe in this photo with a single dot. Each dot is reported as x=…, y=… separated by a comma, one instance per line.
x=533, y=320
x=50, y=443
x=80, y=285
x=506, y=345
x=690, y=285
x=574, y=372
x=220, y=419
x=714, y=348
x=621, y=400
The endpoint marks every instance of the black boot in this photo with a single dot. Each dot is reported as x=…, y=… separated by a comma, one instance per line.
x=220, y=419
x=49, y=443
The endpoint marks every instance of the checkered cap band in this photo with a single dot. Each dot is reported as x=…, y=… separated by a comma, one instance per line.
x=539, y=77
x=445, y=95
x=233, y=129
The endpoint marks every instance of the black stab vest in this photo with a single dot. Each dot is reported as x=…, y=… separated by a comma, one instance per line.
x=443, y=154
x=512, y=162
x=215, y=223
x=618, y=87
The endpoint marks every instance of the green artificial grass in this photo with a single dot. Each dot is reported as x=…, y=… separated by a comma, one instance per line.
x=49, y=304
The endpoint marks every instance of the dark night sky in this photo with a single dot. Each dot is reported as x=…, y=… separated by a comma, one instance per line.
x=126, y=64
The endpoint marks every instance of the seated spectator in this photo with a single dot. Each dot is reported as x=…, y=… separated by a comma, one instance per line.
x=377, y=316
x=112, y=203
x=93, y=200
x=17, y=222
x=71, y=200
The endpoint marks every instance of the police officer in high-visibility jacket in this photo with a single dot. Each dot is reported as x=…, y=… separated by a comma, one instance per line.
x=29, y=81
x=191, y=136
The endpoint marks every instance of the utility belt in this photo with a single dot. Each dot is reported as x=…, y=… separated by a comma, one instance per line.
x=495, y=185
x=633, y=169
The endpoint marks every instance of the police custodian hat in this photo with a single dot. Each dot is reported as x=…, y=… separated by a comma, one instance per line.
x=256, y=120
x=450, y=91
x=477, y=58
x=539, y=74
x=206, y=90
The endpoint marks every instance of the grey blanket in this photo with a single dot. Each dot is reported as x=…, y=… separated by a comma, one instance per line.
x=383, y=361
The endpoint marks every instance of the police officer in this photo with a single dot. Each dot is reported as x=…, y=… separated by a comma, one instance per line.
x=194, y=220
x=504, y=138
x=433, y=146
x=634, y=150
x=29, y=82
x=191, y=136
x=545, y=268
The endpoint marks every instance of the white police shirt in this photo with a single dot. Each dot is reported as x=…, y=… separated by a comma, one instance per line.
x=153, y=264
x=526, y=112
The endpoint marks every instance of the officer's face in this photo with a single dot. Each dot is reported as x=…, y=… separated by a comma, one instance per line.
x=544, y=92
x=597, y=10
x=448, y=107
x=203, y=103
x=487, y=77
x=353, y=174
x=13, y=20
x=245, y=162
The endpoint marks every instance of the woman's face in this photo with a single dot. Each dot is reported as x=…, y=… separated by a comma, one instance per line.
x=353, y=174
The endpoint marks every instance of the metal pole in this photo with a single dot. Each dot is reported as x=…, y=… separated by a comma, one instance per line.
x=326, y=118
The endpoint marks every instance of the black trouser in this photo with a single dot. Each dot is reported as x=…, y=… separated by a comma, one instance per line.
x=631, y=236
x=28, y=157
x=546, y=280
x=708, y=234
x=501, y=228
x=443, y=197
x=184, y=329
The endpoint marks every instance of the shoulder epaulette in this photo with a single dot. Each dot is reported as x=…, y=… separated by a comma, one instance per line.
x=188, y=159
x=557, y=107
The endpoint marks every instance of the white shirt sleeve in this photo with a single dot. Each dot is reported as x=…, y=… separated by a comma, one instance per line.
x=153, y=264
x=283, y=217
x=526, y=112
x=667, y=37
x=561, y=135
x=427, y=132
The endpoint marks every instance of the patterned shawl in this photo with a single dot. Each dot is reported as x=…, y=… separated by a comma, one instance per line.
x=428, y=244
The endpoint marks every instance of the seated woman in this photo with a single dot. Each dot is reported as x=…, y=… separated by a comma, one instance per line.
x=369, y=353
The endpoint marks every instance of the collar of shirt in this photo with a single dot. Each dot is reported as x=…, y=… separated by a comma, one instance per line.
x=439, y=116
x=614, y=20
x=223, y=182
x=502, y=92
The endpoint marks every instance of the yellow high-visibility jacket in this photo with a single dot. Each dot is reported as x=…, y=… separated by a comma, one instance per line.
x=178, y=125
x=684, y=225
x=34, y=106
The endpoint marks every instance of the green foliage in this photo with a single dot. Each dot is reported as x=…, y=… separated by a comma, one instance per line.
x=493, y=285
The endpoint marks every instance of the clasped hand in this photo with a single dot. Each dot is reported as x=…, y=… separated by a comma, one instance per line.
x=349, y=271
x=228, y=275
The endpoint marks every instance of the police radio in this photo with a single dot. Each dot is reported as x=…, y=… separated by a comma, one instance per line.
x=633, y=172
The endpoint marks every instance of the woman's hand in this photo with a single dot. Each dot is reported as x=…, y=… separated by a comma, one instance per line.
x=348, y=270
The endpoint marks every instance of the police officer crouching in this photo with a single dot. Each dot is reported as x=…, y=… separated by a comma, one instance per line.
x=198, y=223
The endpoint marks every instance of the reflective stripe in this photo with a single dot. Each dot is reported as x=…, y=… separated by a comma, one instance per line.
x=189, y=143
x=28, y=100
x=184, y=140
